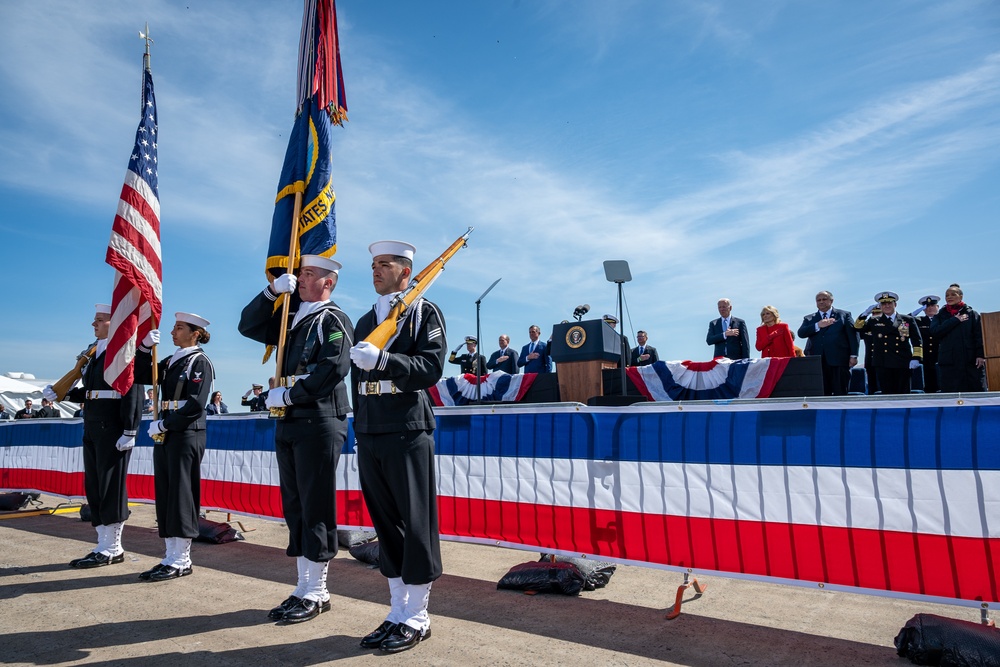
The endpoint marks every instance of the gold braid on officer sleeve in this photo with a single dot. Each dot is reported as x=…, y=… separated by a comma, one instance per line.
x=918, y=352
x=859, y=323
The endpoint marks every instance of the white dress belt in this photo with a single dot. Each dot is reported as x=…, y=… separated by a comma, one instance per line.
x=376, y=387
x=290, y=380
x=101, y=393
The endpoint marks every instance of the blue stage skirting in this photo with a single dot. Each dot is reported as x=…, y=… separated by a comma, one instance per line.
x=896, y=496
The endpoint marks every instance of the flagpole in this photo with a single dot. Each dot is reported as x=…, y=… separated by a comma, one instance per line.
x=153, y=323
x=293, y=251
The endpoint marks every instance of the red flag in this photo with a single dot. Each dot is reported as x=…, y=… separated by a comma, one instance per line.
x=134, y=251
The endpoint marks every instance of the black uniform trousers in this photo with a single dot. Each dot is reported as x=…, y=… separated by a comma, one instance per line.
x=965, y=378
x=177, y=480
x=104, y=471
x=400, y=490
x=836, y=379
x=893, y=380
x=307, y=451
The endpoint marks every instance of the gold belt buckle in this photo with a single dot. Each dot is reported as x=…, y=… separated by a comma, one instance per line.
x=373, y=387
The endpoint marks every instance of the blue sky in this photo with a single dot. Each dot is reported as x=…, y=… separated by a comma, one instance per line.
x=760, y=151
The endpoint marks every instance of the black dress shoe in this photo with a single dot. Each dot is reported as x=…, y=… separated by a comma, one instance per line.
x=151, y=571
x=99, y=560
x=279, y=611
x=76, y=561
x=403, y=638
x=375, y=639
x=170, y=572
x=305, y=610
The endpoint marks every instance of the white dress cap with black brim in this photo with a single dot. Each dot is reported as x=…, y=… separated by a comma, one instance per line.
x=885, y=297
x=191, y=318
x=929, y=300
x=471, y=339
x=321, y=262
x=394, y=248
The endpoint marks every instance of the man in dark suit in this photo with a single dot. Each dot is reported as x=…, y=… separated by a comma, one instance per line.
x=729, y=334
x=830, y=334
x=504, y=359
x=27, y=412
x=535, y=355
x=642, y=354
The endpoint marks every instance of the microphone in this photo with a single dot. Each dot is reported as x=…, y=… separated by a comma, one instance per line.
x=580, y=311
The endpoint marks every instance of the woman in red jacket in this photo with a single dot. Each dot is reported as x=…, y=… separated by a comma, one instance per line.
x=774, y=338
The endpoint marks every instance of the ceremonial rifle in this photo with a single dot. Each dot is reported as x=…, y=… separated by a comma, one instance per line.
x=397, y=307
x=62, y=386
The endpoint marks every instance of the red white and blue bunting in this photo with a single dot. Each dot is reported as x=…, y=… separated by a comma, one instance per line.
x=497, y=386
x=720, y=378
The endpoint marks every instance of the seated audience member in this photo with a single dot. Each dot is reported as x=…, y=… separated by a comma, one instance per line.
x=534, y=356
x=642, y=354
x=504, y=359
x=216, y=406
x=774, y=338
x=147, y=403
x=4, y=415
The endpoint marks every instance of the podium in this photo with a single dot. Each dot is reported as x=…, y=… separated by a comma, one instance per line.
x=991, y=346
x=581, y=351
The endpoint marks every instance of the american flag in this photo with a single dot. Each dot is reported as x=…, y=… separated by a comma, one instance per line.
x=134, y=250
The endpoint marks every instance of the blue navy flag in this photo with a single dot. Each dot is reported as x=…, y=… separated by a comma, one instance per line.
x=307, y=169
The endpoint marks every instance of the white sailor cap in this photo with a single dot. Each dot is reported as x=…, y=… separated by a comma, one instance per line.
x=883, y=297
x=191, y=318
x=610, y=319
x=394, y=248
x=929, y=300
x=102, y=308
x=321, y=262
x=471, y=339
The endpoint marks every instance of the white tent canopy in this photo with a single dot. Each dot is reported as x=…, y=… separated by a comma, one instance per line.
x=14, y=391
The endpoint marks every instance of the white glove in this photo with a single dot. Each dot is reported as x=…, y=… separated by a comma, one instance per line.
x=125, y=442
x=918, y=311
x=285, y=283
x=49, y=393
x=914, y=363
x=365, y=355
x=277, y=398
x=150, y=339
x=870, y=309
x=156, y=426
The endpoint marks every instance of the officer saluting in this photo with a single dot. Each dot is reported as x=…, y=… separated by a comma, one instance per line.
x=471, y=362
x=929, y=308
x=394, y=425
x=110, y=421
x=310, y=436
x=894, y=344
x=255, y=402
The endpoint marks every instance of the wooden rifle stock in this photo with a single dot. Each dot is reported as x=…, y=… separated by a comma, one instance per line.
x=62, y=386
x=397, y=309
